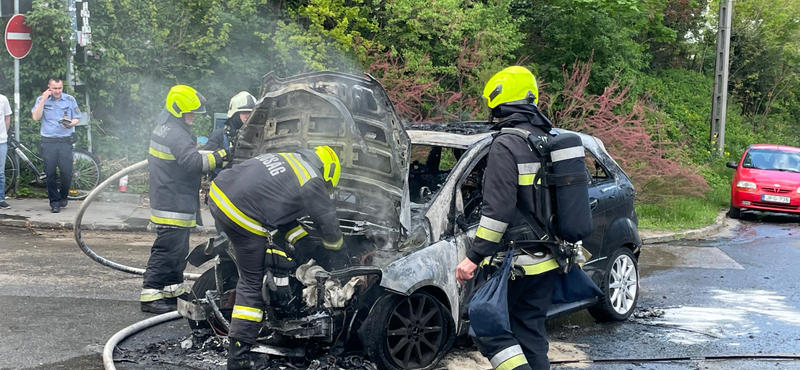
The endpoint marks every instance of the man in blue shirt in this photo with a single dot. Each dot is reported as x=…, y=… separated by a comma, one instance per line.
x=59, y=114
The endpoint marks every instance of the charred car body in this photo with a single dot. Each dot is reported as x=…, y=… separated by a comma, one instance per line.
x=409, y=205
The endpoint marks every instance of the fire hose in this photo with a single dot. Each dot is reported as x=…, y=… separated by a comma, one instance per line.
x=85, y=205
x=108, y=350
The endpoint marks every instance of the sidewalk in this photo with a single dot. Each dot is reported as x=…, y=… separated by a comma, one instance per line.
x=112, y=212
x=131, y=212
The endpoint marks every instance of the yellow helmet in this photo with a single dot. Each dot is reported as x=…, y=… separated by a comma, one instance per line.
x=513, y=85
x=331, y=168
x=184, y=99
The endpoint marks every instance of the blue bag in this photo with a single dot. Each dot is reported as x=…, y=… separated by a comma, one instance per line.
x=574, y=286
x=488, y=309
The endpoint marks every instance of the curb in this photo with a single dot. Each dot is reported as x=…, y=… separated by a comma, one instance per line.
x=719, y=224
x=202, y=230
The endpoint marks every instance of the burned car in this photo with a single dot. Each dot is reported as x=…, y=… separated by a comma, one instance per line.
x=409, y=204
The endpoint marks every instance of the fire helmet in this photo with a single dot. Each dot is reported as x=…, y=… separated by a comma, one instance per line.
x=513, y=85
x=241, y=102
x=331, y=168
x=183, y=99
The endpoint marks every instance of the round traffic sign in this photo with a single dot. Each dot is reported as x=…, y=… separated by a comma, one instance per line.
x=18, y=37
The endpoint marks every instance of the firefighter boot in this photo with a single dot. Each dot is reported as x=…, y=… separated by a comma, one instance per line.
x=158, y=306
x=240, y=357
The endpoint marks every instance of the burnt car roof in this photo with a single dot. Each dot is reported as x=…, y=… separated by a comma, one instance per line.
x=351, y=114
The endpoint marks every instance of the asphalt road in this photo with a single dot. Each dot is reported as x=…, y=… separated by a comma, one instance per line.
x=735, y=294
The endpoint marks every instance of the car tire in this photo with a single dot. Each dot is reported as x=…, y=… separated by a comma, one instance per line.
x=407, y=332
x=620, y=286
x=734, y=212
x=206, y=282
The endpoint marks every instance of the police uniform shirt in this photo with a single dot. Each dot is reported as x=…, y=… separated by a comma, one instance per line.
x=54, y=110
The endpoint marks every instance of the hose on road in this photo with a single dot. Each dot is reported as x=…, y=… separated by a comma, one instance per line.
x=108, y=350
x=85, y=205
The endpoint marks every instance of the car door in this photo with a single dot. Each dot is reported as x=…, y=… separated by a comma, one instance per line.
x=603, y=191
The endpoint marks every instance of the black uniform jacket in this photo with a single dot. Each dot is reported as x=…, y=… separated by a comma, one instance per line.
x=175, y=170
x=508, y=183
x=275, y=189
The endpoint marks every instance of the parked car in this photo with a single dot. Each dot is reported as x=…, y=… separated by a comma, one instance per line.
x=767, y=178
x=409, y=205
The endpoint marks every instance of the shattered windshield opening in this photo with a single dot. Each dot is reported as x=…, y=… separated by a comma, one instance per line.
x=430, y=166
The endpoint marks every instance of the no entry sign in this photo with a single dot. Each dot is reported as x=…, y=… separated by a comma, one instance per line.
x=18, y=37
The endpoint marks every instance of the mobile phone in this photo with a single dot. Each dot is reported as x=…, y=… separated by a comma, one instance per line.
x=65, y=122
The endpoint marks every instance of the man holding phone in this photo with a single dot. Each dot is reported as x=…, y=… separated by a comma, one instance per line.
x=59, y=113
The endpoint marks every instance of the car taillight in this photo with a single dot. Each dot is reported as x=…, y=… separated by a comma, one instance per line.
x=746, y=185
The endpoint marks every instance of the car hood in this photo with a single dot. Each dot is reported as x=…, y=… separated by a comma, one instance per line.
x=351, y=114
x=771, y=178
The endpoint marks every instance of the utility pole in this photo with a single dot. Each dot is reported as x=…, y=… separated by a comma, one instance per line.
x=719, y=101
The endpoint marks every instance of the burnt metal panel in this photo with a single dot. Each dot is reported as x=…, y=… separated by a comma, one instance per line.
x=351, y=114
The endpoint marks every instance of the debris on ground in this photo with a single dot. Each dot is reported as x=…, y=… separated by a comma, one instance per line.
x=208, y=353
x=651, y=312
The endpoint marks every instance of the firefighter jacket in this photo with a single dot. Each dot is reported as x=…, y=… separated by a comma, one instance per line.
x=508, y=184
x=275, y=189
x=175, y=170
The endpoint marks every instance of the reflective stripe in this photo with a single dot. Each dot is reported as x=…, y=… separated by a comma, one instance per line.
x=234, y=214
x=309, y=168
x=295, y=234
x=513, y=363
x=567, y=153
x=540, y=268
x=172, y=215
x=299, y=170
x=334, y=246
x=486, y=234
x=279, y=252
x=526, y=179
x=173, y=218
x=206, y=162
x=527, y=168
x=149, y=295
x=505, y=355
x=494, y=225
x=161, y=148
x=174, y=290
x=162, y=155
x=284, y=281
x=247, y=313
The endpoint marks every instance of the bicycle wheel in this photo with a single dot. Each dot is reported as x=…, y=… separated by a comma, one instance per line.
x=85, y=174
x=11, y=171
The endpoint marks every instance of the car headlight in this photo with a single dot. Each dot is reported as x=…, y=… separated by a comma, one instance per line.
x=746, y=185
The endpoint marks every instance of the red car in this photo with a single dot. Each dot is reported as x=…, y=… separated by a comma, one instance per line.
x=767, y=179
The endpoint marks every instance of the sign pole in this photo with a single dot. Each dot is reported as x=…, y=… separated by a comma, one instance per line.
x=16, y=85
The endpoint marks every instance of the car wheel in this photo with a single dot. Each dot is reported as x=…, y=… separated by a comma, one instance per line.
x=407, y=332
x=734, y=212
x=206, y=282
x=620, y=286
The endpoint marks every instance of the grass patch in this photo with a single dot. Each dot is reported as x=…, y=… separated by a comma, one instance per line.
x=685, y=212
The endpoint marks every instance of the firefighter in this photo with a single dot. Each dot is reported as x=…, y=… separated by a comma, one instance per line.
x=512, y=95
x=175, y=170
x=263, y=197
x=239, y=110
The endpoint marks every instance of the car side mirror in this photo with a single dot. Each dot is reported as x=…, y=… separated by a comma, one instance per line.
x=732, y=164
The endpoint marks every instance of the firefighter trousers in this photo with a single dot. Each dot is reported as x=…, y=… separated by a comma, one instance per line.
x=526, y=348
x=167, y=258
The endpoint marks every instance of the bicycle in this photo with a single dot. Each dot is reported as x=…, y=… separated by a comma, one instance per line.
x=86, y=174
